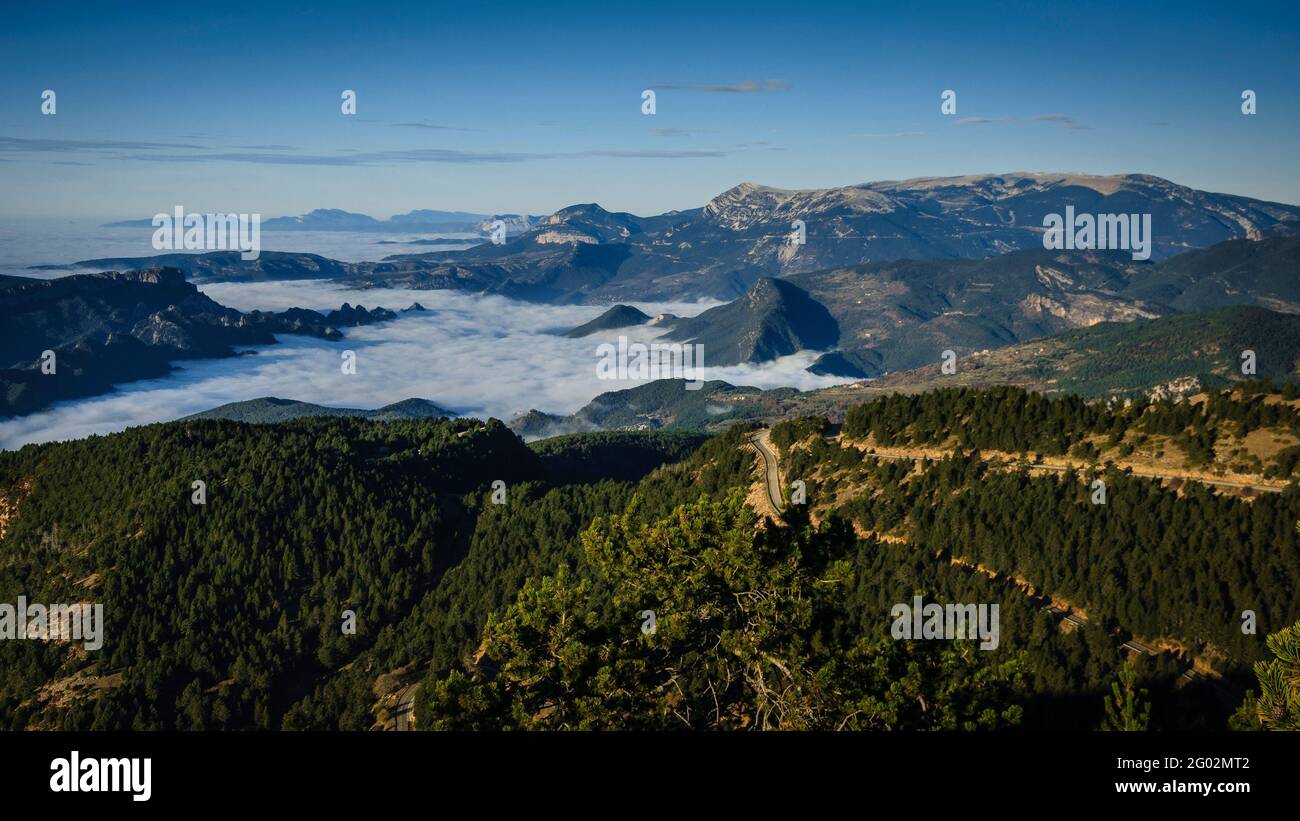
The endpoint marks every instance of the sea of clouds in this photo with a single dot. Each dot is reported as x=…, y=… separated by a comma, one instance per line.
x=483, y=356
x=25, y=243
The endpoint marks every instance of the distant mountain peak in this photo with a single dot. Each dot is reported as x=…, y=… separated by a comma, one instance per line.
x=746, y=188
x=619, y=316
x=588, y=209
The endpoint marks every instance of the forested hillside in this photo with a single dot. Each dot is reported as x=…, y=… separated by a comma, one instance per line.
x=623, y=580
x=229, y=613
x=786, y=625
x=1176, y=563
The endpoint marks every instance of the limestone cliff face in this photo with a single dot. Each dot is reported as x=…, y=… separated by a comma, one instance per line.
x=1083, y=310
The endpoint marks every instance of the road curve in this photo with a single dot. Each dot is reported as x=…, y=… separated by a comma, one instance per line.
x=761, y=440
x=405, y=710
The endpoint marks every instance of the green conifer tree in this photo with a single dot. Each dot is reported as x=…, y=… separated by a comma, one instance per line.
x=1127, y=708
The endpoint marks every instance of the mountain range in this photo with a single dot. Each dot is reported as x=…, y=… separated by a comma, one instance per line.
x=225, y=266
x=882, y=317
x=113, y=327
x=585, y=253
x=1172, y=356
x=418, y=221
x=900, y=315
x=889, y=276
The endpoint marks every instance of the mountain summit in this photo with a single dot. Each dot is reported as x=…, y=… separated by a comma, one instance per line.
x=773, y=319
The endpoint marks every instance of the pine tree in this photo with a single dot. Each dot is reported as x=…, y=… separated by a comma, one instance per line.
x=1278, y=706
x=1127, y=708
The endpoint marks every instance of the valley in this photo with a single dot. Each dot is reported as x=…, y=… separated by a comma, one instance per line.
x=877, y=315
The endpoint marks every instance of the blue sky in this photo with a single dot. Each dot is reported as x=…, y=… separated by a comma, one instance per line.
x=507, y=107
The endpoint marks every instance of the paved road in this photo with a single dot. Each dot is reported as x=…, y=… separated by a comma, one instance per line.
x=1146, y=474
x=1066, y=615
x=1135, y=646
x=761, y=440
x=763, y=444
x=405, y=710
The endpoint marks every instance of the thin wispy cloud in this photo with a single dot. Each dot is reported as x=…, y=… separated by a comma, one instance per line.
x=416, y=155
x=1062, y=120
x=897, y=135
x=746, y=87
x=759, y=145
x=655, y=155
x=981, y=120
x=432, y=127
x=1065, y=120
x=47, y=145
x=348, y=158
x=275, y=154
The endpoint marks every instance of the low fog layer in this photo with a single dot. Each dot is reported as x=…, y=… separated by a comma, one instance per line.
x=483, y=356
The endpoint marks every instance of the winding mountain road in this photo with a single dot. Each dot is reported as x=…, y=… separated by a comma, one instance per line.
x=761, y=440
x=762, y=443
